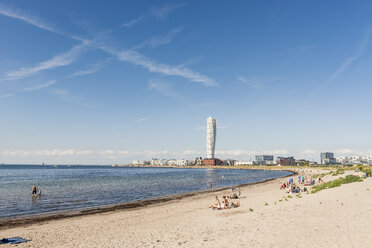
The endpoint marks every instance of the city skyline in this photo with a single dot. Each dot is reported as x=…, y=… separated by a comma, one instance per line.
x=110, y=83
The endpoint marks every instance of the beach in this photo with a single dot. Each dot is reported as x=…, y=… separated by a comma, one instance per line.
x=267, y=217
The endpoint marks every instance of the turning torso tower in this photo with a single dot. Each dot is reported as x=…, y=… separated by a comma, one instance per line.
x=211, y=137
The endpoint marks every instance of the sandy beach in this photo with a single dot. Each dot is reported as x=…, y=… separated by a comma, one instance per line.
x=336, y=217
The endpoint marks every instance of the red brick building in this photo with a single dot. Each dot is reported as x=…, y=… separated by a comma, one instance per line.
x=212, y=161
x=286, y=161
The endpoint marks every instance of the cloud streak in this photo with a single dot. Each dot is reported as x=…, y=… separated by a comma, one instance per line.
x=158, y=13
x=159, y=40
x=350, y=60
x=164, y=88
x=56, y=61
x=253, y=83
x=138, y=59
x=40, y=86
x=7, y=95
x=143, y=119
x=16, y=14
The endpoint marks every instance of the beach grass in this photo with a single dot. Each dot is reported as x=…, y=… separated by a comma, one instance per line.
x=337, y=183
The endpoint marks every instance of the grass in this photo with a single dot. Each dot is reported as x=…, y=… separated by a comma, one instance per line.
x=251, y=209
x=338, y=172
x=289, y=196
x=266, y=204
x=337, y=183
x=281, y=200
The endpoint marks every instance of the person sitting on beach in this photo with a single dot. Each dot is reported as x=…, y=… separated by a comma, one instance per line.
x=234, y=205
x=216, y=205
x=234, y=196
x=283, y=186
x=225, y=202
x=34, y=190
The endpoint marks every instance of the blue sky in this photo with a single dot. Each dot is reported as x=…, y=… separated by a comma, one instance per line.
x=100, y=83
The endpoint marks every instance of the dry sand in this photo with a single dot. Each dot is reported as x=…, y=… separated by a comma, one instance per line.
x=337, y=217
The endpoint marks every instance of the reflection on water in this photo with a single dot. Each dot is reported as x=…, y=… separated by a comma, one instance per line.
x=75, y=187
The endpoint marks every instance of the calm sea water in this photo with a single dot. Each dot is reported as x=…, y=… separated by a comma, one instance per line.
x=76, y=187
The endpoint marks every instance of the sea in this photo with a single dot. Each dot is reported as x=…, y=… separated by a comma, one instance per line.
x=76, y=187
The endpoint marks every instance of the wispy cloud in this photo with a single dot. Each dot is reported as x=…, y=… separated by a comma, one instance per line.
x=158, y=13
x=17, y=14
x=60, y=92
x=165, y=89
x=253, y=83
x=136, y=58
x=7, y=95
x=142, y=119
x=72, y=152
x=134, y=21
x=92, y=69
x=40, y=86
x=56, y=61
x=350, y=60
x=241, y=152
x=159, y=40
x=66, y=96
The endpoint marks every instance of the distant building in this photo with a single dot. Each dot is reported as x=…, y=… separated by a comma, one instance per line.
x=264, y=159
x=198, y=161
x=327, y=158
x=243, y=163
x=212, y=161
x=211, y=137
x=229, y=162
x=286, y=161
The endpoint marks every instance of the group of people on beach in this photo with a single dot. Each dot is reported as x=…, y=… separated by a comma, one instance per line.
x=227, y=201
x=291, y=187
x=35, y=191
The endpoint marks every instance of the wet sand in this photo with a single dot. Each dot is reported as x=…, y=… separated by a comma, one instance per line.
x=337, y=217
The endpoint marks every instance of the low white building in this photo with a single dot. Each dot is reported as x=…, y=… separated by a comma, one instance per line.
x=244, y=163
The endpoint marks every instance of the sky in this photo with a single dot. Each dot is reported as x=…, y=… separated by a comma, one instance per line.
x=97, y=82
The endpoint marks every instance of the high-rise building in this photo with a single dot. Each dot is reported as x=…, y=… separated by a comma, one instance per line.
x=211, y=137
x=327, y=157
x=264, y=159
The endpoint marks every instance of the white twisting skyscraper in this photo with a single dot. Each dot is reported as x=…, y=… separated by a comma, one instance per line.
x=211, y=137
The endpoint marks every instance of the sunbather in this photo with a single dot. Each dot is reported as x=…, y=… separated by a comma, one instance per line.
x=233, y=196
x=234, y=205
x=225, y=202
x=216, y=205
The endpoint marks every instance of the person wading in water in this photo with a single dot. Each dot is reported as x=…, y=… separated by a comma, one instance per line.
x=34, y=190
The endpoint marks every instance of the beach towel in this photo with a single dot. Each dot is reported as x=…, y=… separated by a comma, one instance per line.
x=13, y=241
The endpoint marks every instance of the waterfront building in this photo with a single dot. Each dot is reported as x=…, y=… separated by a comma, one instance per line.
x=264, y=159
x=212, y=161
x=286, y=161
x=198, y=161
x=211, y=137
x=243, y=163
x=327, y=157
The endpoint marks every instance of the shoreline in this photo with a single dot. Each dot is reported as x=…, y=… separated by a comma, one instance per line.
x=267, y=217
x=26, y=220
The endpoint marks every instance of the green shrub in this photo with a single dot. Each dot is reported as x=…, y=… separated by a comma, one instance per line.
x=338, y=172
x=336, y=183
